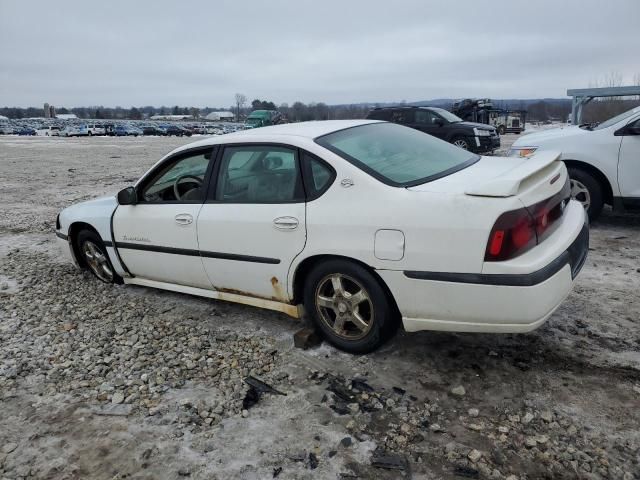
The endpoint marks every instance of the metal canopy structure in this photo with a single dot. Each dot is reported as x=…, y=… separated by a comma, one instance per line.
x=582, y=96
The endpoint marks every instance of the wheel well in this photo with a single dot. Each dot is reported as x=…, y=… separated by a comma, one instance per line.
x=308, y=264
x=74, y=231
x=597, y=174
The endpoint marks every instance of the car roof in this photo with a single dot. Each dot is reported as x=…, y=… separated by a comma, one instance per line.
x=309, y=130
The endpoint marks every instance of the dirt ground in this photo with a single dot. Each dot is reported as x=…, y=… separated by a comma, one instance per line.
x=122, y=382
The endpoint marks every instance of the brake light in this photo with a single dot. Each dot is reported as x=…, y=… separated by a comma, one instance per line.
x=517, y=231
x=513, y=233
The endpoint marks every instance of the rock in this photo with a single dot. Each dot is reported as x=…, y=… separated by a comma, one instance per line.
x=245, y=413
x=9, y=447
x=313, y=461
x=527, y=418
x=503, y=429
x=458, y=391
x=512, y=477
x=473, y=412
x=474, y=455
x=542, y=439
x=547, y=416
x=118, y=397
x=346, y=442
x=530, y=442
x=434, y=427
x=306, y=338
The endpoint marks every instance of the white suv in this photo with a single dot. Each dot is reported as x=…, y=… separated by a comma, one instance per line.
x=95, y=129
x=603, y=160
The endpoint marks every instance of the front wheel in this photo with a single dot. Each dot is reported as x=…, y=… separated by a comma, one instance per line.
x=586, y=189
x=349, y=306
x=93, y=255
x=461, y=142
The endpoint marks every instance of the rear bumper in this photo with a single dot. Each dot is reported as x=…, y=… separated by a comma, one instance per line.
x=497, y=303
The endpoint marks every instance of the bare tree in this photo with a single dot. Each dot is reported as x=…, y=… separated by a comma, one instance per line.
x=241, y=99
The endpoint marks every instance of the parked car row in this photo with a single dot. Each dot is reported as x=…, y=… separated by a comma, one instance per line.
x=118, y=129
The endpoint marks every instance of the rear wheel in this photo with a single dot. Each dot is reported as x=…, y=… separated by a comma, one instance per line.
x=349, y=306
x=502, y=130
x=586, y=189
x=93, y=255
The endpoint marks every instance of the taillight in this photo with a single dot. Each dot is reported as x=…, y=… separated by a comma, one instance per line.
x=513, y=233
x=517, y=231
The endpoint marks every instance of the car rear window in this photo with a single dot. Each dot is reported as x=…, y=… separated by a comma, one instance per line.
x=397, y=155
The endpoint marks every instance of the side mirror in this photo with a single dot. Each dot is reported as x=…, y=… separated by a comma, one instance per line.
x=128, y=196
x=438, y=121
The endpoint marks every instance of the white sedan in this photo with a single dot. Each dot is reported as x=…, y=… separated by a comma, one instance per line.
x=363, y=225
x=603, y=160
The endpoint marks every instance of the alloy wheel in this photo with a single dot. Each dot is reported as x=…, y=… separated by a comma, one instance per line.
x=580, y=193
x=344, y=306
x=462, y=144
x=97, y=261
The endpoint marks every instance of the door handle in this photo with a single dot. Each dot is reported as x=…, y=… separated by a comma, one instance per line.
x=183, y=219
x=286, y=223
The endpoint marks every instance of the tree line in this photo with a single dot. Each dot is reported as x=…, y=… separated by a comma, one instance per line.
x=542, y=110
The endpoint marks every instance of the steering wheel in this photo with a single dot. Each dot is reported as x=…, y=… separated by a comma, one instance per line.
x=176, y=190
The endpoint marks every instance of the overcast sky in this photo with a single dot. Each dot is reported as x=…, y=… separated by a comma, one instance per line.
x=200, y=53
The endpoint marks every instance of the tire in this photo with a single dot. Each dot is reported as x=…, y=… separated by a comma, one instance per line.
x=90, y=134
x=93, y=256
x=326, y=305
x=502, y=130
x=461, y=142
x=586, y=189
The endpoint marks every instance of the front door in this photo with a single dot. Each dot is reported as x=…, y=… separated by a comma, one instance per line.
x=157, y=238
x=252, y=225
x=629, y=162
x=426, y=121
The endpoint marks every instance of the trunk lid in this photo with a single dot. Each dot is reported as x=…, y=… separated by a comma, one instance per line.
x=530, y=179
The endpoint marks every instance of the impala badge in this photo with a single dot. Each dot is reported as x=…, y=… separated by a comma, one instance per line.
x=346, y=182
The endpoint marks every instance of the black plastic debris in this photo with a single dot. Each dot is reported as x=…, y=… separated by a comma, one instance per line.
x=340, y=408
x=256, y=389
x=389, y=461
x=361, y=385
x=399, y=391
x=313, y=461
x=340, y=390
x=277, y=471
x=346, y=442
x=466, y=472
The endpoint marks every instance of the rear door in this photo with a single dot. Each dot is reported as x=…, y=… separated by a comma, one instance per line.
x=629, y=162
x=252, y=225
x=157, y=237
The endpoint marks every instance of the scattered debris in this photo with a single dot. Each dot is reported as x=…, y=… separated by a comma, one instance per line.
x=256, y=389
x=346, y=442
x=277, y=471
x=467, y=472
x=389, y=461
x=313, y=461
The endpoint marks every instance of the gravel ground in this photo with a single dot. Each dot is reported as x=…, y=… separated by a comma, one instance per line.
x=122, y=382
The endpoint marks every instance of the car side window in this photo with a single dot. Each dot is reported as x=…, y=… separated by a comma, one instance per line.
x=182, y=180
x=425, y=117
x=402, y=116
x=318, y=176
x=259, y=174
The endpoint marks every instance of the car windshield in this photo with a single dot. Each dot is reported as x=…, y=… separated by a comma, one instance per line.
x=617, y=118
x=397, y=155
x=448, y=116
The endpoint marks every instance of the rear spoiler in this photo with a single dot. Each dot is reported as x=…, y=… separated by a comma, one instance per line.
x=508, y=184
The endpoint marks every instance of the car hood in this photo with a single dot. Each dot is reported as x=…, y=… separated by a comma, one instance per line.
x=107, y=202
x=481, y=126
x=538, y=138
